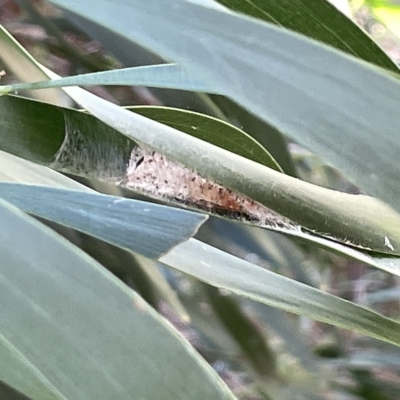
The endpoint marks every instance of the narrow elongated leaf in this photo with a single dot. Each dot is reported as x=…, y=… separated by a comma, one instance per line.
x=18, y=170
x=31, y=131
x=385, y=263
x=104, y=145
x=211, y=130
x=356, y=220
x=207, y=128
x=167, y=76
x=284, y=78
x=26, y=138
x=130, y=53
x=62, y=138
x=269, y=137
x=34, y=174
x=81, y=333
x=119, y=221
x=115, y=220
x=241, y=277
x=319, y=20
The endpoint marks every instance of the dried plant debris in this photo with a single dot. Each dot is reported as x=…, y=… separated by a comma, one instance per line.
x=153, y=173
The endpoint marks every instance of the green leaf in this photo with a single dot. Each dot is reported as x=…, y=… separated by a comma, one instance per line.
x=357, y=220
x=383, y=262
x=18, y=170
x=26, y=138
x=167, y=76
x=287, y=80
x=265, y=134
x=29, y=139
x=119, y=221
x=100, y=216
x=245, y=279
x=319, y=20
x=79, y=332
x=8, y=393
x=211, y=130
x=65, y=139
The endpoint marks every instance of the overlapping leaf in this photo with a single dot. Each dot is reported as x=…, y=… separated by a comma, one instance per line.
x=287, y=80
x=119, y=221
x=72, y=330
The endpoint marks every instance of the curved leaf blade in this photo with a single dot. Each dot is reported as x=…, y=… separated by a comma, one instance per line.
x=123, y=222
x=337, y=215
x=26, y=139
x=78, y=326
x=18, y=170
x=211, y=130
x=359, y=220
x=166, y=76
x=284, y=78
x=319, y=20
x=245, y=279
